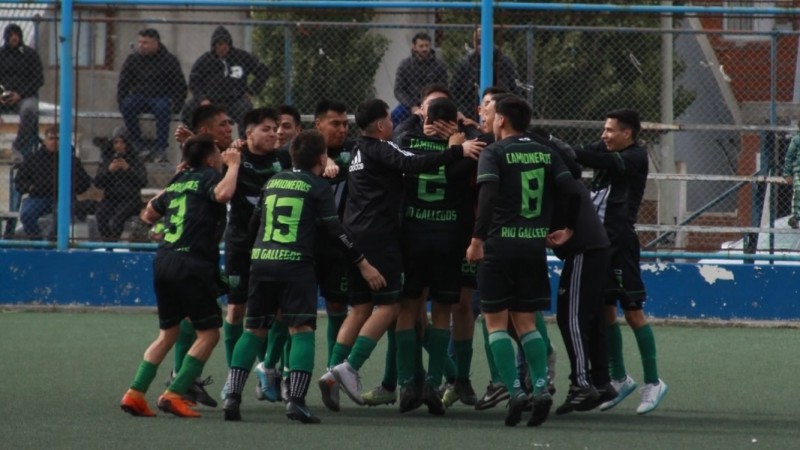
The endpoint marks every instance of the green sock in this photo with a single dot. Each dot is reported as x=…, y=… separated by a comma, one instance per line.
x=278, y=335
x=536, y=356
x=362, y=348
x=232, y=334
x=493, y=372
x=335, y=321
x=302, y=355
x=503, y=353
x=190, y=369
x=450, y=369
x=437, y=354
x=616, y=362
x=647, y=348
x=246, y=351
x=184, y=343
x=287, y=348
x=419, y=365
x=339, y=354
x=463, y=359
x=541, y=327
x=390, y=366
x=145, y=375
x=406, y=355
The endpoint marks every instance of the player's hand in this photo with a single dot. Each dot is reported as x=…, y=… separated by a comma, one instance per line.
x=238, y=145
x=12, y=99
x=456, y=139
x=473, y=148
x=440, y=128
x=475, y=251
x=558, y=237
x=371, y=275
x=467, y=122
x=788, y=180
x=331, y=169
x=205, y=102
x=231, y=157
x=122, y=164
x=182, y=134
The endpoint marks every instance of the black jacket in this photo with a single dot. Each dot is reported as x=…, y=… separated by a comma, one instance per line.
x=20, y=67
x=121, y=184
x=413, y=74
x=221, y=80
x=38, y=175
x=156, y=75
x=466, y=81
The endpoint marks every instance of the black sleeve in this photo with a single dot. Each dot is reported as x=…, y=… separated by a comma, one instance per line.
x=125, y=75
x=597, y=157
x=178, y=84
x=82, y=181
x=391, y=155
x=103, y=177
x=255, y=219
x=260, y=75
x=487, y=196
x=402, y=85
x=569, y=188
x=329, y=219
x=23, y=181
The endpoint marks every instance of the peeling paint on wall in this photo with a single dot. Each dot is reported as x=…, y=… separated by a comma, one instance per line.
x=712, y=274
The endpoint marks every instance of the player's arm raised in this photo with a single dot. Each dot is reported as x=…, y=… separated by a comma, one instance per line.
x=225, y=189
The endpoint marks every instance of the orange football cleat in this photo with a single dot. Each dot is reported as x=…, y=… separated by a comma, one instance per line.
x=173, y=403
x=134, y=403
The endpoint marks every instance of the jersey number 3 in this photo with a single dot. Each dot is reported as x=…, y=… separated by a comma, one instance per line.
x=282, y=227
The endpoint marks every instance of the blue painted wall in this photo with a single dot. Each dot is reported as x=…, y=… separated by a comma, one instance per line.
x=695, y=291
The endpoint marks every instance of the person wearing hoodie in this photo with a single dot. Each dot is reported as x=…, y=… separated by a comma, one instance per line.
x=121, y=176
x=21, y=76
x=466, y=80
x=38, y=177
x=415, y=72
x=151, y=81
x=220, y=77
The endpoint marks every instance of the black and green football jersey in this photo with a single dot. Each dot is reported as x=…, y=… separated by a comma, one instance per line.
x=194, y=221
x=291, y=206
x=527, y=174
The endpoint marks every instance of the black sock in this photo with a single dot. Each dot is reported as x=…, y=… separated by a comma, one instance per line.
x=238, y=379
x=298, y=385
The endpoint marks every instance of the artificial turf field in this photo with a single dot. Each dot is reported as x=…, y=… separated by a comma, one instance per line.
x=64, y=373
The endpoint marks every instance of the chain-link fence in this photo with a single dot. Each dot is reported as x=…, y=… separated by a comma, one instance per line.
x=719, y=94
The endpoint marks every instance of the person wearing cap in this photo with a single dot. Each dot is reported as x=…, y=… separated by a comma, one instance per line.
x=151, y=81
x=21, y=76
x=121, y=176
x=220, y=77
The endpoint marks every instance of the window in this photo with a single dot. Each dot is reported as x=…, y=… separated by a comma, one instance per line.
x=91, y=40
x=748, y=22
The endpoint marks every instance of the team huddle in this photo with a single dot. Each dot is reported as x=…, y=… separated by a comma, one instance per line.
x=427, y=211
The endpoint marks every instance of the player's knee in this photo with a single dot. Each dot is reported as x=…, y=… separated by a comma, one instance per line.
x=235, y=314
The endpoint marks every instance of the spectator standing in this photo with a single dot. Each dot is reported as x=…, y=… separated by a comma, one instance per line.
x=415, y=72
x=151, y=81
x=466, y=80
x=121, y=176
x=791, y=171
x=38, y=177
x=21, y=76
x=220, y=77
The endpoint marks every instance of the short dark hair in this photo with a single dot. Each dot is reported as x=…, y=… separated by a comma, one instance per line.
x=290, y=110
x=203, y=114
x=325, y=105
x=369, y=111
x=51, y=130
x=442, y=109
x=494, y=90
x=421, y=35
x=497, y=98
x=429, y=89
x=516, y=110
x=628, y=119
x=256, y=116
x=305, y=149
x=151, y=33
x=197, y=148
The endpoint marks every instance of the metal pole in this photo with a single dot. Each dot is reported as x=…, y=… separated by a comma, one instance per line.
x=487, y=45
x=64, y=207
x=667, y=214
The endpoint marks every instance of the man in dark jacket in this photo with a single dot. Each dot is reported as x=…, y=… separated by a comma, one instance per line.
x=121, y=176
x=220, y=76
x=466, y=80
x=21, y=77
x=415, y=72
x=152, y=81
x=38, y=177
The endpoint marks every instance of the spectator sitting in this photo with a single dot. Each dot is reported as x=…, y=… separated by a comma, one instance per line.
x=121, y=176
x=38, y=177
x=21, y=76
x=220, y=76
x=415, y=72
x=152, y=81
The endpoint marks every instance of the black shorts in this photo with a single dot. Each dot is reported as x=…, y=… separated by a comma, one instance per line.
x=440, y=271
x=469, y=272
x=390, y=264
x=186, y=286
x=625, y=277
x=332, y=275
x=515, y=284
x=237, y=269
x=296, y=301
